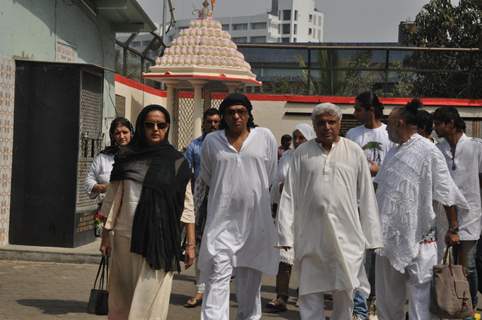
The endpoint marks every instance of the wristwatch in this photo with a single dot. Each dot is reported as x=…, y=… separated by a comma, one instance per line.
x=454, y=230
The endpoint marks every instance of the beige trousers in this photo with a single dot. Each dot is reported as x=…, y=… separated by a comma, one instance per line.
x=136, y=292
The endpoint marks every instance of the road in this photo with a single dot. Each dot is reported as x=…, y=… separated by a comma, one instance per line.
x=46, y=290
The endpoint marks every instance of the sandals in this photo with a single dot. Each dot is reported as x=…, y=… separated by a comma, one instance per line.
x=193, y=302
x=276, y=305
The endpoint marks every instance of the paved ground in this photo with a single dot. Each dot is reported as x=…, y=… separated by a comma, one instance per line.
x=46, y=290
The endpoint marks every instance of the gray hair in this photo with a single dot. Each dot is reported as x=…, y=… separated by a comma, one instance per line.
x=326, y=108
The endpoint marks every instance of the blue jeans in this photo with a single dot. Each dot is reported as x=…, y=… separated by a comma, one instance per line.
x=465, y=253
x=360, y=307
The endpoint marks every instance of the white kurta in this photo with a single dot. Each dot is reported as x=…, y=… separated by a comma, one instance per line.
x=464, y=168
x=99, y=172
x=239, y=221
x=412, y=177
x=329, y=214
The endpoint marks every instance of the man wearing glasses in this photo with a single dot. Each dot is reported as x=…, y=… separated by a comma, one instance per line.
x=238, y=164
x=464, y=159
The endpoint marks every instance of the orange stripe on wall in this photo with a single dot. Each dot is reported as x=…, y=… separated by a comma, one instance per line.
x=139, y=86
x=429, y=102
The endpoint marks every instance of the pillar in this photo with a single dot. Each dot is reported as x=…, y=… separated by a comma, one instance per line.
x=198, y=107
x=170, y=106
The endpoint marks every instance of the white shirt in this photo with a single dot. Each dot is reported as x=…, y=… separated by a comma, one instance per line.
x=283, y=165
x=99, y=173
x=374, y=142
x=328, y=213
x=411, y=178
x=239, y=206
x=465, y=172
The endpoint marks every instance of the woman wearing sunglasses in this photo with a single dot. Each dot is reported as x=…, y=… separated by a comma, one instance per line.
x=147, y=202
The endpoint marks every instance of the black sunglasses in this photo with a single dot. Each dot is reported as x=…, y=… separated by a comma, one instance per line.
x=155, y=125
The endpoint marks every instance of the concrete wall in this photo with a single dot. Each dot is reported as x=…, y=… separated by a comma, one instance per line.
x=62, y=31
x=137, y=96
x=280, y=115
x=51, y=31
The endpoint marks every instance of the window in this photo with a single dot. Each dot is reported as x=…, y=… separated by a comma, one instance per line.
x=240, y=26
x=258, y=25
x=294, y=39
x=319, y=20
x=135, y=44
x=240, y=39
x=146, y=43
x=226, y=27
x=310, y=31
x=314, y=19
x=310, y=18
x=286, y=14
x=295, y=29
x=279, y=28
x=285, y=40
x=286, y=28
x=260, y=39
x=296, y=15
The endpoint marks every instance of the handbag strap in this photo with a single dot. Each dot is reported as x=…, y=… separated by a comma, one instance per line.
x=448, y=256
x=101, y=271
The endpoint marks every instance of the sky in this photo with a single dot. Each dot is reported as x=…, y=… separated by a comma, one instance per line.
x=345, y=20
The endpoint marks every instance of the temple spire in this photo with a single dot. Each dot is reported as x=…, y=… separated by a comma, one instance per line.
x=205, y=12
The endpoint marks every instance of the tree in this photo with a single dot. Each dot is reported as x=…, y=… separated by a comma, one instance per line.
x=441, y=24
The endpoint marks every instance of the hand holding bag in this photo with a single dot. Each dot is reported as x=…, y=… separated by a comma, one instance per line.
x=99, y=296
x=450, y=296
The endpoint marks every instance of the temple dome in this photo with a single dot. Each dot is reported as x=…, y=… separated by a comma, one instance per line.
x=203, y=49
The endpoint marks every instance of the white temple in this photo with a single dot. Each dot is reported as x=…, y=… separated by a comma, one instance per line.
x=201, y=54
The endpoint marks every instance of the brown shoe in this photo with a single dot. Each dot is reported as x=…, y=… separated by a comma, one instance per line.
x=193, y=302
x=276, y=305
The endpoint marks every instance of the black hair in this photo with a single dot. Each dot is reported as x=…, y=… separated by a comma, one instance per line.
x=210, y=112
x=119, y=121
x=448, y=114
x=367, y=100
x=236, y=99
x=410, y=111
x=285, y=137
x=425, y=121
x=139, y=139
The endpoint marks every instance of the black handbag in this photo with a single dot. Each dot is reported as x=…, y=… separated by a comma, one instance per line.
x=99, y=296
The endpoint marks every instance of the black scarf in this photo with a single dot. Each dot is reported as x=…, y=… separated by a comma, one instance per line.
x=164, y=174
x=110, y=150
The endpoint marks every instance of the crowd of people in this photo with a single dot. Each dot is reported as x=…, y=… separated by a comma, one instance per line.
x=363, y=218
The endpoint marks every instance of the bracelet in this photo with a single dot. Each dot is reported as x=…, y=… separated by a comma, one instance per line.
x=190, y=245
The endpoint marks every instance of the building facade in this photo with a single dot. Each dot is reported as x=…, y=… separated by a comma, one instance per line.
x=57, y=62
x=288, y=21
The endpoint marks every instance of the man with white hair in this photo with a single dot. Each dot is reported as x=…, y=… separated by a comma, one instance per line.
x=329, y=215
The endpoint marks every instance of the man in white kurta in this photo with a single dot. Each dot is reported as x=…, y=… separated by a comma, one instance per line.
x=463, y=155
x=239, y=236
x=328, y=214
x=413, y=176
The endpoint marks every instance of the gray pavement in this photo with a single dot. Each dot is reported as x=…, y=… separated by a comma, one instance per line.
x=49, y=290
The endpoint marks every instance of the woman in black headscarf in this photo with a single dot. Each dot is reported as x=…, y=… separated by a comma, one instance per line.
x=147, y=200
